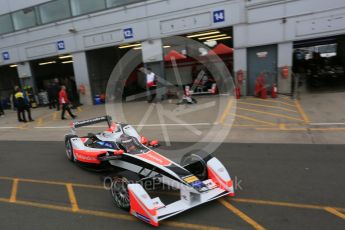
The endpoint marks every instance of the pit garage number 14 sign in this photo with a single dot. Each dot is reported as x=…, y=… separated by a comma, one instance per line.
x=218, y=16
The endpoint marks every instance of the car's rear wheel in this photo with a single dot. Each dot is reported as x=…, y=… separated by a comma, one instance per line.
x=69, y=149
x=119, y=188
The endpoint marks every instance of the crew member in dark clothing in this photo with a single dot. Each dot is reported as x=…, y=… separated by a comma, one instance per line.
x=27, y=106
x=53, y=94
x=52, y=100
x=20, y=104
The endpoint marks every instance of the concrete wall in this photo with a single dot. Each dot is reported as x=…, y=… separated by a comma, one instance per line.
x=284, y=21
x=148, y=20
x=255, y=23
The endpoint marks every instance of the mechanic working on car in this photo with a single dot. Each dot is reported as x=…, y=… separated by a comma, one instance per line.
x=64, y=102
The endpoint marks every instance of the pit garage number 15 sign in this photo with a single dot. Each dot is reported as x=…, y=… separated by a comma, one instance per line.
x=218, y=16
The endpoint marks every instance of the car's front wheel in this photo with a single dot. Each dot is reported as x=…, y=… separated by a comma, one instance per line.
x=119, y=188
x=69, y=149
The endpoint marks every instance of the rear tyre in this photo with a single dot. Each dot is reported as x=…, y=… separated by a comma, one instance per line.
x=69, y=148
x=195, y=162
x=119, y=188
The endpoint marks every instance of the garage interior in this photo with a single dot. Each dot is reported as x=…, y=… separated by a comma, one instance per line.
x=320, y=63
x=9, y=78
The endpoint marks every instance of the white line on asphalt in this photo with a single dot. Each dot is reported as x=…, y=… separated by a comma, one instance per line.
x=325, y=124
x=195, y=124
x=53, y=127
x=8, y=127
x=147, y=125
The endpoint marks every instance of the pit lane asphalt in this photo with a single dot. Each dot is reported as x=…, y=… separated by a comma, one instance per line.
x=302, y=174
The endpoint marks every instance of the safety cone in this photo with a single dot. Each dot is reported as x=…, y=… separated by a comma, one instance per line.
x=274, y=91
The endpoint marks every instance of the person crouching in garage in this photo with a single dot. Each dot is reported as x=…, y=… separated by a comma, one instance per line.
x=64, y=102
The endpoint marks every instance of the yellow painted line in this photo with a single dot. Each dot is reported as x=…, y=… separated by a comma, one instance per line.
x=254, y=119
x=271, y=101
x=283, y=204
x=55, y=115
x=53, y=182
x=244, y=125
x=226, y=111
x=107, y=214
x=282, y=126
x=335, y=212
x=271, y=114
x=239, y=213
x=268, y=106
x=301, y=111
x=23, y=126
x=14, y=190
x=39, y=121
x=72, y=197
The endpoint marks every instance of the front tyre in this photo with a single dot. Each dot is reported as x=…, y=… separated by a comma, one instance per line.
x=119, y=189
x=69, y=148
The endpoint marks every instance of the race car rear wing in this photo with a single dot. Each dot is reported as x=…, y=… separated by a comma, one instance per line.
x=92, y=121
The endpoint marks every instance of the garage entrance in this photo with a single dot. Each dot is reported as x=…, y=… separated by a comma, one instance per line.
x=320, y=64
x=54, y=70
x=101, y=63
x=197, y=74
x=8, y=79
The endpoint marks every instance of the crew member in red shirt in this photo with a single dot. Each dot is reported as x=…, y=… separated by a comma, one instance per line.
x=64, y=102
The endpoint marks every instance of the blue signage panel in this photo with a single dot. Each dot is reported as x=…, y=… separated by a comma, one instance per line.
x=128, y=33
x=218, y=16
x=6, y=55
x=60, y=45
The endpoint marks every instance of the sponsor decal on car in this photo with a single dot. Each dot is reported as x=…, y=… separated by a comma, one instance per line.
x=155, y=158
x=190, y=179
x=195, y=183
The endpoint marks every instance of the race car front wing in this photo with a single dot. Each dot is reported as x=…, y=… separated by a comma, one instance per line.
x=153, y=210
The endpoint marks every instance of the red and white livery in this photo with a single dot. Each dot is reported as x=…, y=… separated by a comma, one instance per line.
x=200, y=177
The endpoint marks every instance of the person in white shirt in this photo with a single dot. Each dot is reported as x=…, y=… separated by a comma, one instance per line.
x=150, y=85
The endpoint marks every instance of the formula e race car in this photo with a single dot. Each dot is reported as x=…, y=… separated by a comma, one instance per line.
x=200, y=177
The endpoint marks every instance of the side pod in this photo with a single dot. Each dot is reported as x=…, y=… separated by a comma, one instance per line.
x=220, y=176
x=142, y=206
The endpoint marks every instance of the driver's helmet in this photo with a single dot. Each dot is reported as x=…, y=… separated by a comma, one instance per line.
x=127, y=142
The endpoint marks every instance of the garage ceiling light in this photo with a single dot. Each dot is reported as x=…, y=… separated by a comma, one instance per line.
x=214, y=36
x=47, y=63
x=66, y=56
x=137, y=48
x=66, y=62
x=166, y=47
x=129, y=46
x=222, y=38
x=13, y=66
x=203, y=34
